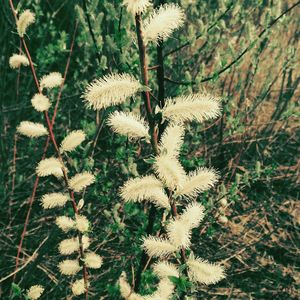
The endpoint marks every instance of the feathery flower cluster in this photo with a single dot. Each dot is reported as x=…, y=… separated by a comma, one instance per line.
x=163, y=22
x=40, y=102
x=49, y=166
x=81, y=180
x=110, y=90
x=126, y=291
x=54, y=200
x=172, y=140
x=51, y=80
x=72, y=140
x=204, y=272
x=145, y=188
x=136, y=6
x=25, y=19
x=18, y=60
x=198, y=181
x=35, y=292
x=158, y=247
x=128, y=124
x=170, y=171
x=69, y=267
x=32, y=129
x=71, y=245
x=78, y=287
x=93, y=260
x=192, y=107
x=82, y=223
x=164, y=269
x=65, y=223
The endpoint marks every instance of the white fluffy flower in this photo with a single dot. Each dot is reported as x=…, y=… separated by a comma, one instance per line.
x=198, y=181
x=158, y=247
x=35, y=292
x=82, y=223
x=18, y=60
x=72, y=140
x=179, y=233
x=204, y=272
x=128, y=124
x=170, y=171
x=69, y=267
x=164, y=291
x=40, y=102
x=81, y=180
x=164, y=269
x=65, y=223
x=110, y=90
x=172, y=140
x=51, y=80
x=54, y=200
x=32, y=129
x=93, y=260
x=69, y=246
x=25, y=19
x=145, y=188
x=192, y=215
x=163, y=22
x=193, y=107
x=126, y=291
x=136, y=6
x=78, y=287
x=49, y=166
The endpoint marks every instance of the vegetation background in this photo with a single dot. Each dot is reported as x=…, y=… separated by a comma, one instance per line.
x=230, y=48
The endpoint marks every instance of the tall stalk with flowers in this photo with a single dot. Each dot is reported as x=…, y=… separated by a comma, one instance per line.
x=77, y=224
x=167, y=187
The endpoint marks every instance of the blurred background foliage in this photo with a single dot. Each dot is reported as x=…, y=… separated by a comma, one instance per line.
x=226, y=48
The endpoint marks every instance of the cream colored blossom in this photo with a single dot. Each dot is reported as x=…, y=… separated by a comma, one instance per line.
x=72, y=140
x=18, y=60
x=78, y=287
x=158, y=247
x=145, y=188
x=170, y=171
x=32, y=129
x=40, y=102
x=204, y=272
x=126, y=291
x=179, y=233
x=195, y=107
x=163, y=22
x=110, y=90
x=81, y=180
x=164, y=269
x=65, y=223
x=165, y=290
x=49, y=166
x=128, y=124
x=54, y=200
x=71, y=245
x=69, y=267
x=198, y=181
x=136, y=6
x=25, y=19
x=192, y=215
x=172, y=140
x=93, y=260
x=51, y=80
x=82, y=223
x=35, y=292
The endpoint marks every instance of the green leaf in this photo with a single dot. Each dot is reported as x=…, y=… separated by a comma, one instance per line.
x=16, y=289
